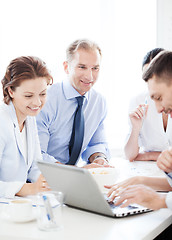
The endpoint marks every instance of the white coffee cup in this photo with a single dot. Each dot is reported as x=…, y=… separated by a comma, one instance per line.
x=20, y=209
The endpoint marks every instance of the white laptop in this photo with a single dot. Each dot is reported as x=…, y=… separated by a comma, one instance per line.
x=81, y=190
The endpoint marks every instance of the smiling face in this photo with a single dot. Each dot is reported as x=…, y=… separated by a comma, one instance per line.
x=161, y=93
x=83, y=70
x=29, y=98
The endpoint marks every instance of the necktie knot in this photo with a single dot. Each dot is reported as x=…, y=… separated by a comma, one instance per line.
x=80, y=100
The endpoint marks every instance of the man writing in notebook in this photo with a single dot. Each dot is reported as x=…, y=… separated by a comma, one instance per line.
x=71, y=125
x=159, y=79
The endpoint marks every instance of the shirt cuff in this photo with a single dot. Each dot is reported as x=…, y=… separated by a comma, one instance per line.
x=169, y=178
x=101, y=148
x=48, y=158
x=13, y=188
x=168, y=200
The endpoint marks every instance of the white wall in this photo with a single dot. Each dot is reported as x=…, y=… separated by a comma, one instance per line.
x=164, y=24
x=125, y=30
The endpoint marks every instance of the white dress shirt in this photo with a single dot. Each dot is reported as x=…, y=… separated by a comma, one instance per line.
x=152, y=136
x=169, y=200
x=24, y=142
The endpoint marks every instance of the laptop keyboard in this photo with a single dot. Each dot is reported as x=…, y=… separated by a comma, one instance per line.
x=122, y=212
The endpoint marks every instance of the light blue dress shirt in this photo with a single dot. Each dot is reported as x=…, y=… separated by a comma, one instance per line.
x=55, y=123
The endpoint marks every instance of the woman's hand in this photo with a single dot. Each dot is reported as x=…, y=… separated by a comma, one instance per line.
x=33, y=188
x=138, y=116
x=41, y=185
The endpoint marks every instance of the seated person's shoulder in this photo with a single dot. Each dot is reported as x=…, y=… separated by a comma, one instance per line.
x=4, y=112
x=136, y=100
x=5, y=120
x=97, y=102
x=97, y=95
x=140, y=98
x=53, y=93
x=54, y=88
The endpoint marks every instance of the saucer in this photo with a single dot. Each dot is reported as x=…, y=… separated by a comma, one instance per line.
x=19, y=220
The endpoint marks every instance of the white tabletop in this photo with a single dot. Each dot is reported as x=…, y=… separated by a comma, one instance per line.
x=84, y=225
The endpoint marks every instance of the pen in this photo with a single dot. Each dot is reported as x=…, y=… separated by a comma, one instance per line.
x=4, y=202
x=48, y=208
x=144, y=108
x=146, y=101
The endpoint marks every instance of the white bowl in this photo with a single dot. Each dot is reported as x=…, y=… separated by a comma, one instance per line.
x=104, y=176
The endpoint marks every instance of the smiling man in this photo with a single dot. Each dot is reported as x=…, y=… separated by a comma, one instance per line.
x=159, y=79
x=64, y=135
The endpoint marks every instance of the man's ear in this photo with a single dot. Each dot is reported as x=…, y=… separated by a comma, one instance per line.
x=66, y=67
x=11, y=92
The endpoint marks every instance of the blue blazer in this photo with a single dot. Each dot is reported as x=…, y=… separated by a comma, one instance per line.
x=14, y=171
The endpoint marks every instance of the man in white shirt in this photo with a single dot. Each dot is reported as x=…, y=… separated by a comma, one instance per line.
x=159, y=78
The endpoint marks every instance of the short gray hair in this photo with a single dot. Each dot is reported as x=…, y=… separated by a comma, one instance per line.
x=81, y=44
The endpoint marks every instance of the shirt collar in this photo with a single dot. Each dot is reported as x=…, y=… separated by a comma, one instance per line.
x=70, y=92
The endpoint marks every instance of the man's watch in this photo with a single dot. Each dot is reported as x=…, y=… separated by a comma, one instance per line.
x=101, y=156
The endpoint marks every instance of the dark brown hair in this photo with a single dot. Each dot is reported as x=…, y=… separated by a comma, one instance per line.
x=21, y=69
x=150, y=55
x=161, y=67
